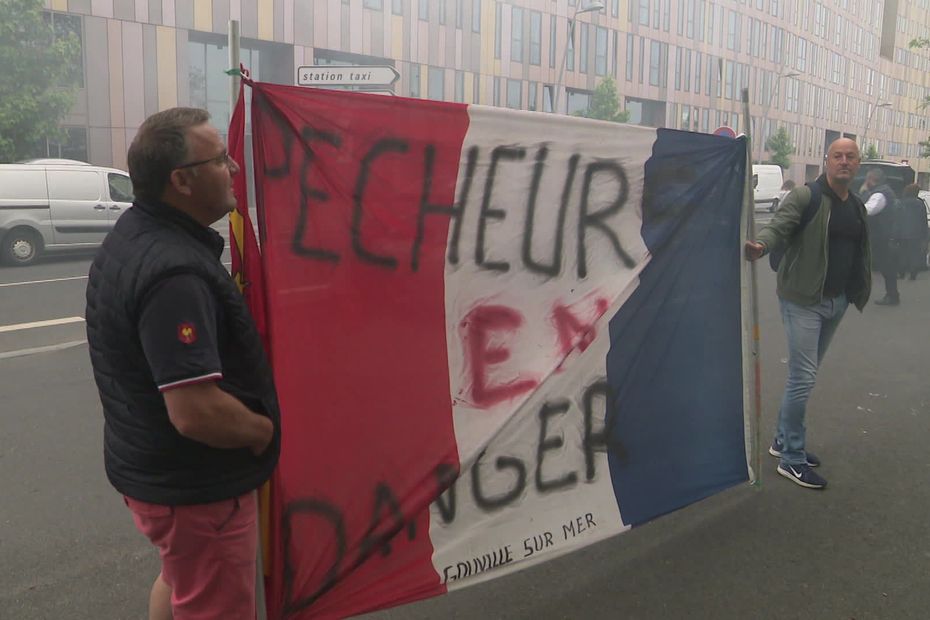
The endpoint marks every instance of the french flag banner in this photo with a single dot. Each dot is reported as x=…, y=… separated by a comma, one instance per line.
x=498, y=336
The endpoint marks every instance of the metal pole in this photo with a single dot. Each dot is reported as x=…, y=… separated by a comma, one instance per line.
x=865, y=132
x=749, y=297
x=765, y=116
x=558, y=84
x=233, y=63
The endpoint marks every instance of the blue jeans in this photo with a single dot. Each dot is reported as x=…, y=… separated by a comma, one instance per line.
x=809, y=330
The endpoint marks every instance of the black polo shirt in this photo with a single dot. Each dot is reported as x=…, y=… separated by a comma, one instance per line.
x=178, y=328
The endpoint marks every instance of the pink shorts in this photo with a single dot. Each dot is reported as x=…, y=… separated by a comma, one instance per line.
x=208, y=555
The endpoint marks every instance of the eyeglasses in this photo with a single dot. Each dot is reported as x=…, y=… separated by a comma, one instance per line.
x=223, y=159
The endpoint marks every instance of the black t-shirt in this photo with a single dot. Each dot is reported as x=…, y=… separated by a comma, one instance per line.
x=178, y=330
x=845, y=244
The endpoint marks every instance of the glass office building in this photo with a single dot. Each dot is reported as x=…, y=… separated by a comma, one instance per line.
x=820, y=69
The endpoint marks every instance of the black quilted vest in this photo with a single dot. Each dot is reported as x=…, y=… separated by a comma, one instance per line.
x=145, y=457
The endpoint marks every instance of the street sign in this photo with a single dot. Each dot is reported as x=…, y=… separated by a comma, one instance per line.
x=350, y=75
x=725, y=131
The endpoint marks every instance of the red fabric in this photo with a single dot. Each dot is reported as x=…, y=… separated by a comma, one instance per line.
x=246, y=257
x=207, y=554
x=347, y=370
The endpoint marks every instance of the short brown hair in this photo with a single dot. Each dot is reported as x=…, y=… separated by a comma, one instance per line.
x=912, y=190
x=159, y=147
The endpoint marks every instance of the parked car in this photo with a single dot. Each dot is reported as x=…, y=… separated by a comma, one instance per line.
x=925, y=196
x=897, y=174
x=768, y=180
x=48, y=205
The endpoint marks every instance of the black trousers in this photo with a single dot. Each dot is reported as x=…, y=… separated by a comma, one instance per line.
x=913, y=257
x=885, y=256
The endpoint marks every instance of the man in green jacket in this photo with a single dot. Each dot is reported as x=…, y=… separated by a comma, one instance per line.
x=825, y=267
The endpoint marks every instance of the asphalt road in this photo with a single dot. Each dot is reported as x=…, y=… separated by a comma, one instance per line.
x=858, y=550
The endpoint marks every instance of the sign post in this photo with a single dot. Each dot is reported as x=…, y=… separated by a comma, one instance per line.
x=351, y=75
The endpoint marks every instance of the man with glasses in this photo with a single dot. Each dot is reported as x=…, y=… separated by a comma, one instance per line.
x=191, y=415
x=825, y=267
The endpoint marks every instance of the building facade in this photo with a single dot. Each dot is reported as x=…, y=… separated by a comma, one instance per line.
x=822, y=69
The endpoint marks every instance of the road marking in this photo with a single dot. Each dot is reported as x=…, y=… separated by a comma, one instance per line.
x=52, y=347
x=50, y=323
x=6, y=284
x=42, y=281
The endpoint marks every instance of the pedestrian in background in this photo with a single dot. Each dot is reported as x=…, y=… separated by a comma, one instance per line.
x=191, y=416
x=911, y=232
x=881, y=205
x=825, y=267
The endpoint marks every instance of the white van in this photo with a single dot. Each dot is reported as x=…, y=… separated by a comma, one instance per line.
x=768, y=179
x=57, y=204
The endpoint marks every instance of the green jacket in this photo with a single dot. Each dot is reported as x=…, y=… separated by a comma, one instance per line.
x=803, y=267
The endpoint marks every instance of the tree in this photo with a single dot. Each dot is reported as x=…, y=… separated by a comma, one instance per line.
x=780, y=146
x=871, y=152
x=36, y=90
x=924, y=148
x=605, y=104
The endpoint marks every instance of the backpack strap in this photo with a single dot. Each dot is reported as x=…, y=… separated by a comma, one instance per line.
x=813, y=205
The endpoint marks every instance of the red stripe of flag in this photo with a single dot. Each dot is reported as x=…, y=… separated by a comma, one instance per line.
x=358, y=333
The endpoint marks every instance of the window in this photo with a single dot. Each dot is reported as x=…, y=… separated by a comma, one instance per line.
x=208, y=86
x=414, y=80
x=72, y=146
x=733, y=31
x=531, y=93
x=643, y=12
x=655, y=62
x=476, y=16
x=64, y=26
x=435, y=86
x=615, y=8
x=583, y=53
x=372, y=4
x=686, y=75
x=476, y=89
x=516, y=35
x=689, y=19
x=459, y=18
x=578, y=100
x=535, y=37
x=699, y=20
x=698, y=60
x=514, y=94
x=498, y=26
x=497, y=91
x=548, y=97
x=460, y=86
x=397, y=7
x=728, y=80
x=630, y=46
x=423, y=10
x=570, y=59
x=552, y=27
x=600, y=51
x=120, y=187
x=615, y=57
x=442, y=11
